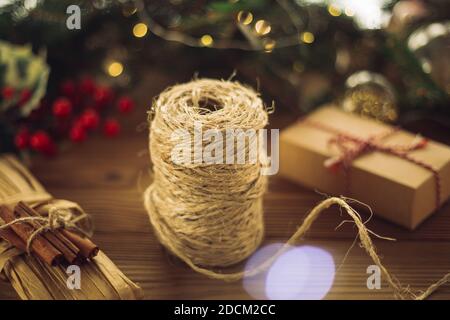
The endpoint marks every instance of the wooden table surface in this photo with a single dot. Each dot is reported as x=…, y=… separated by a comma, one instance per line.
x=107, y=178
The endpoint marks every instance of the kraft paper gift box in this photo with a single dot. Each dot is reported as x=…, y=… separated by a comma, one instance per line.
x=396, y=189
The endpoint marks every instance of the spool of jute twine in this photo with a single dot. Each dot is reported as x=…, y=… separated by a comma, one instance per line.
x=210, y=215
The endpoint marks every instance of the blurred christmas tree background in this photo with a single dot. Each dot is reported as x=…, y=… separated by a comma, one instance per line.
x=384, y=59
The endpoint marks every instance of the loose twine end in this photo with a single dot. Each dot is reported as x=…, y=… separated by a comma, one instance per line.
x=400, y=291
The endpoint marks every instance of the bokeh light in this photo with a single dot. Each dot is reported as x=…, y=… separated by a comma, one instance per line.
x=269, y=45
x=300, y=273
x=368, y=14
x=307, y=37
x=245, y=17
x=206, y=40
x=140, y=30
x=255, y=286
x=349, y=12
x=334, y=11
x=262, y=27
x=115, y=69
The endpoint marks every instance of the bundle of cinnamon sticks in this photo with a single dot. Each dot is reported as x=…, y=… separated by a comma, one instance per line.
x=54, y=247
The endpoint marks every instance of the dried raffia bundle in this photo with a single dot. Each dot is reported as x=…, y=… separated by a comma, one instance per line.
x=210, y=214
x=40, y=275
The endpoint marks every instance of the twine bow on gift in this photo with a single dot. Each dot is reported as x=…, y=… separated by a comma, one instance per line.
x=60, y=216
x=352, y=147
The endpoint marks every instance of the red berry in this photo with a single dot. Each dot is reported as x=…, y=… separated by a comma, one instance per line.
x=62, y=107
x=90, y=119
x=25, y=95
x=7, y=92
x=78, y=133
x=87, y=86
x=40, y=141
x=125, y=104
x=102, y=96
x=68, y=88
x=22, y=139
x=111, y=128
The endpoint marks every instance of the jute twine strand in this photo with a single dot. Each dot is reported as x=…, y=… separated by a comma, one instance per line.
x=212, y=215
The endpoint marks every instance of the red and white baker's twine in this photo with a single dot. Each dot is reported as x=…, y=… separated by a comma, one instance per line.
x=361, y=146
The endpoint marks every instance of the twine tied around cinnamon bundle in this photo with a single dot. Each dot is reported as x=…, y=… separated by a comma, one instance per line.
x=211, y=215
x=60, y=216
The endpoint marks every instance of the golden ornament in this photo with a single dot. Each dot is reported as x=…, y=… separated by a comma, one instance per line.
x=370, y=95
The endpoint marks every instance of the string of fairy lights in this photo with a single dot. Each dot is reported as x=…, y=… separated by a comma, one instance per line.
x=256, y=31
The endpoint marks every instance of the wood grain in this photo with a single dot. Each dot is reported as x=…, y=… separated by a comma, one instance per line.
x=107, y=177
